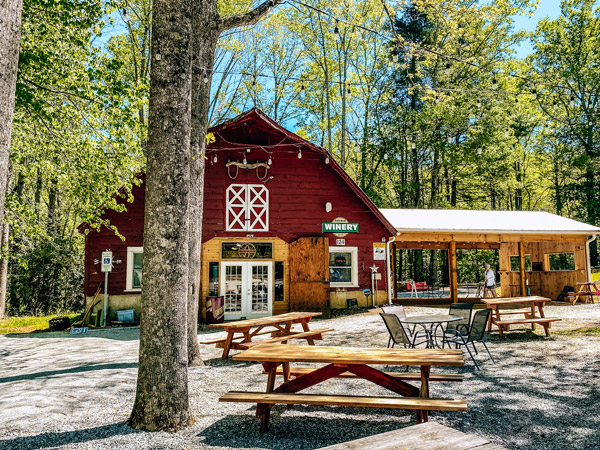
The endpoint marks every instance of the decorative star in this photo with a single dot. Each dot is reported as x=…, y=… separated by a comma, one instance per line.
x=374, y=268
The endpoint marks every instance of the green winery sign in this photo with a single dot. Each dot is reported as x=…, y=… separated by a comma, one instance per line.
x=340, y=227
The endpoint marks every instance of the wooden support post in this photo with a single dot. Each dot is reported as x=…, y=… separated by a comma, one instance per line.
x=522, y=268
x=453, y=272
x=393, y=269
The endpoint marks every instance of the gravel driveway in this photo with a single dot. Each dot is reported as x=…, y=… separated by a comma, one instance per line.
x=76, y=392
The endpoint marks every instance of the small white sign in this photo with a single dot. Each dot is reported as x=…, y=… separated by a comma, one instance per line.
x=106, y=262
x=340, y=242
x=378, y=251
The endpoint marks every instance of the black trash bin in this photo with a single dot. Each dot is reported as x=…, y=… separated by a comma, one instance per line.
x=215, y=313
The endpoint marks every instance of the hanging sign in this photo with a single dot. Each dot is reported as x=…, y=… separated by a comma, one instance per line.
x=340, y=227
x=378, y=251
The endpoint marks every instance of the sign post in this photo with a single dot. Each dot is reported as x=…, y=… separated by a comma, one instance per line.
x=106, y=267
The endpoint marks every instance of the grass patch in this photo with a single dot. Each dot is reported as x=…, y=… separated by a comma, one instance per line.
x=29, y=324
x=583, y=331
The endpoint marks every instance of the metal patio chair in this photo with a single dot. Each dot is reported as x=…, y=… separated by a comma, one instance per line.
x=397, y=332
x=463, y=310
x=476, y=333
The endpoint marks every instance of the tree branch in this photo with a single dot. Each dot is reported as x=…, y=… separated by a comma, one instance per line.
x=248, y=18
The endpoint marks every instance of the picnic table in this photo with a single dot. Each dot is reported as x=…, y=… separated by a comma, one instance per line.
x=587, y=291
x=348, y=362
x=279, y=327
x=476, y=287
x=530, y=317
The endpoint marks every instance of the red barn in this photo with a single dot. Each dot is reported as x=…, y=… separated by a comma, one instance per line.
x=284, y=229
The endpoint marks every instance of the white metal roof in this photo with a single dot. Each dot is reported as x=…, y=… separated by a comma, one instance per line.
x=465, y=221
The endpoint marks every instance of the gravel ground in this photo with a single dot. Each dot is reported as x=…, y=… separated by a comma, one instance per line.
x=75, y=392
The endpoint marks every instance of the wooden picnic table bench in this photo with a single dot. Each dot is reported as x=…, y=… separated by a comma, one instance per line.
x=340, y=362
x=279, y=326
x=530, y=317
x=587, y=292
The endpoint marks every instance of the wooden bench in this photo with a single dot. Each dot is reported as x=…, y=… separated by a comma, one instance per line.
x=586, y=296
x=272, y=398
x=543, y=321
x=415, y=376
x=221, y=341
x=429, y=435
x=314, y=334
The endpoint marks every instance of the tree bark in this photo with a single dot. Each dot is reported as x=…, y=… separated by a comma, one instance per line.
x=206, y=35
x=3, y=271
x=10, y=37
x=162, y=401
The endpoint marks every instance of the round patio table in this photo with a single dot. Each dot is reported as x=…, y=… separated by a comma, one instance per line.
x=430, y=324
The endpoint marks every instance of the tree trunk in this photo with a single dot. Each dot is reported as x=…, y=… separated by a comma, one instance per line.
x=3, y=271
x=162, y=401
x=206, y=35
x=10, y=37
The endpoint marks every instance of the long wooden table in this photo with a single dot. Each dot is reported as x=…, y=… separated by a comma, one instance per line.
x=532, y=302
x=340, y=362
x=279, y=326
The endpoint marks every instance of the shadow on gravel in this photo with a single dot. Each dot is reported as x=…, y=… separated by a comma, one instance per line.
x=220, y=362
x=54, y=440
x=84, y=368
x=298, y=433
x=115, y=334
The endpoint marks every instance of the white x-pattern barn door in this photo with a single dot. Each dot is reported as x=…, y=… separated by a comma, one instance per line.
x=247, y=207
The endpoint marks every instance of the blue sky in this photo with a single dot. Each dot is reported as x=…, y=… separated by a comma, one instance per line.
x=547, y=9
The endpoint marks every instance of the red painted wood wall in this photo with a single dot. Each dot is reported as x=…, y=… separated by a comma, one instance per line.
x=298, y=192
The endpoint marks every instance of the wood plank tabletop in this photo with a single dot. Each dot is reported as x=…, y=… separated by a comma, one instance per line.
x=425, y=436
x=514, y=300
x=352, y=355
x=287, y=317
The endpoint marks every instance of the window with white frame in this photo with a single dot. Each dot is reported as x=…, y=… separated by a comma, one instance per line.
x=247, y=207
x=135, y=256
x=343, y=266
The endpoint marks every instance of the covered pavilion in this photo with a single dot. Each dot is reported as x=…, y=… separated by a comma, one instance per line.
x=551, y=251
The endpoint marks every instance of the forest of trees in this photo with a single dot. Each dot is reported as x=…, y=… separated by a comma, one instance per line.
x=424, y=103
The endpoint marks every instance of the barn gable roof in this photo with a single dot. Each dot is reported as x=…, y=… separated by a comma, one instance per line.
x=276, y=135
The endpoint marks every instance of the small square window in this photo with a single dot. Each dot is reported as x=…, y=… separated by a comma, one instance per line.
x=343, y=266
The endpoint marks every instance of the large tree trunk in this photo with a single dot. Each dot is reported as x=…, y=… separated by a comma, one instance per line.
x=10, y=37
x=3, y=271
x=206, y=35
x=162, y=401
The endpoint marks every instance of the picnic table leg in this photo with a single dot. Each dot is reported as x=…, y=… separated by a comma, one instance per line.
x=263, y=411
x=227, y=345
x=305, y=327
x=423, y=415
x=533, y=315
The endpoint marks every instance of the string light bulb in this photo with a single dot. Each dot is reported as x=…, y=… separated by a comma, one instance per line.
x=299, y=154
x=205, y=79
x=385, y=156
x=336, y=30
x=215, y=158
x=327, y=160
x=269, y=161
x=413, y=145
x=478, y=103
x=479, y=151
x=506, y=132
x=393, y=98
x=395, y=56
x=254, y=81
x=572, y=100
x=247, y=150
x=245, y=160
x=534, y=93
x=494, y=81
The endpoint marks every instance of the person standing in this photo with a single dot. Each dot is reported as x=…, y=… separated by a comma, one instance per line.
x=490, y=282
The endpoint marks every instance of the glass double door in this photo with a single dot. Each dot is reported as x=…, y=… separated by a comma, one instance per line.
x=246, y=287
